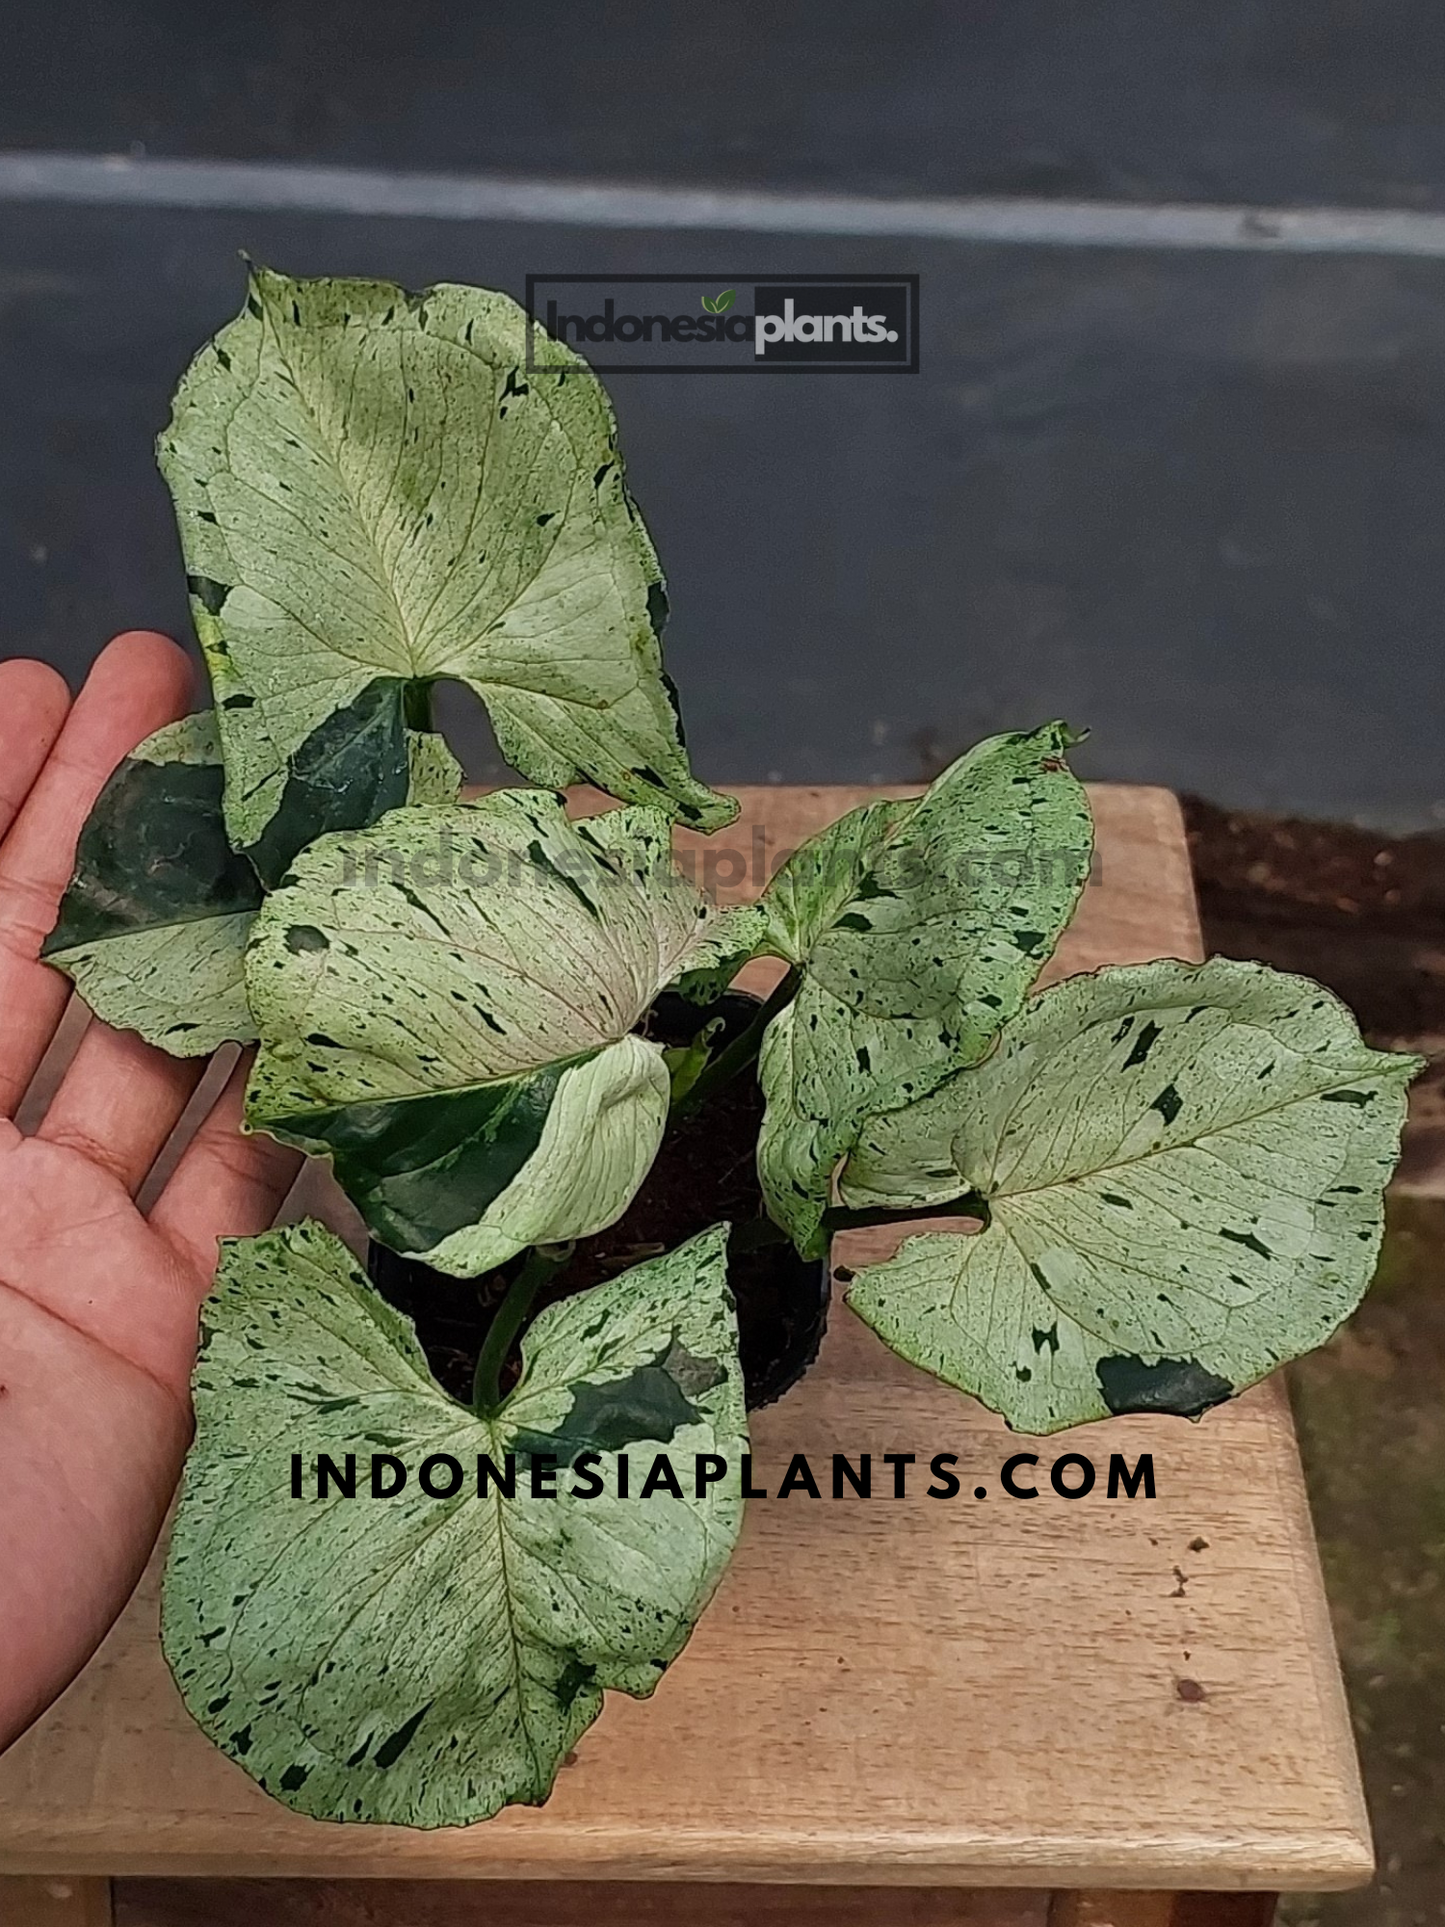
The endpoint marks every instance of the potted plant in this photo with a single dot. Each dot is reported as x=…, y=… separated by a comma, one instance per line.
x=432, y=1513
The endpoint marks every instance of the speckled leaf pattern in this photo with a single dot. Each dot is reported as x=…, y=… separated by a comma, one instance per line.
x=823, y=1068
x=736, y=936
x=419, y=1660
x=919, y=927
x=819, y=881
x=350, y=770
x=433, y=774
x=371, y=485
x=446, y=1002
x=153, y=927
x=1183, y=1166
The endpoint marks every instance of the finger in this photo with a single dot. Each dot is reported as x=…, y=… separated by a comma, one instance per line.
x=33, y=702
x=138, y=683
x=226, y=1185
x=119, y=1102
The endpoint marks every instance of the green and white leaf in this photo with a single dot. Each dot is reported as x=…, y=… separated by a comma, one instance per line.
x=446, y=1004
x=821, y=1068
x=919, y=927
x=350, y=770
x=372, y=485
x=153, y=926
x=426, y=1661
x=354, y=767
x=473, y=1178
x=1183, y=1167
x=433, y=774
x=735, y=936
x=820, y=880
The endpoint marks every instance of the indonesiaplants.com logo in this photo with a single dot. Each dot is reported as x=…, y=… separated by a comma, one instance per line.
x=674, y=323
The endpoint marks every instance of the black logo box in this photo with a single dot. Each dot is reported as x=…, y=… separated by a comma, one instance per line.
x=894, y=295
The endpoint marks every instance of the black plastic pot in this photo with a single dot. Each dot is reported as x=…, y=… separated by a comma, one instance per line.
x=704, y=1171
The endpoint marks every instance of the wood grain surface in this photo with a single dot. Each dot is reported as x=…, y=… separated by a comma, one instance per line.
x=1097, y=1693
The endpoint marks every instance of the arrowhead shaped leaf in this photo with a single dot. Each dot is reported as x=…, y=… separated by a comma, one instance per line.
x=1183, y=1167
x=425, y=1661
x=153, y=927
x=372, y=488
x=919, y=927
x=446, y=1004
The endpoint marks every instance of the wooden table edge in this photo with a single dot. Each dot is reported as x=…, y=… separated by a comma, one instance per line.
x=1239, y=1862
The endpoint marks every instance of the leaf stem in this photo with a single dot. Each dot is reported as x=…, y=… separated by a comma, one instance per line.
x=755, y=1234
x=742, y=1050
x=416, y=705
x=543, y=1261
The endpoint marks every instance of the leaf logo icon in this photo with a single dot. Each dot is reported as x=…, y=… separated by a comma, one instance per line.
x=720, y=303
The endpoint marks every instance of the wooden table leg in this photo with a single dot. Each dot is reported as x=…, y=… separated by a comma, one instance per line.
x=53, y=1902
x=1224, y=1910
x=282, y=1902
x=1130, y=1909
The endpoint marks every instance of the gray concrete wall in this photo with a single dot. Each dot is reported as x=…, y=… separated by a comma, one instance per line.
x=1191, y=498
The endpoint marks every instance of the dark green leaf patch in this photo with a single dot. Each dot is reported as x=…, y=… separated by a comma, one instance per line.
x=349, y=771
x=1179, y=1385
x=1248, y=1240
x=153, y=852
x=209, y=594
x=420, y=1168
x=153, y=927
x=1148, y=1037
x=649, y=1403
x=391, y=1750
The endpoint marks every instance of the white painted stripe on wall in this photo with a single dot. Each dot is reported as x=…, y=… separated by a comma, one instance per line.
x=99, y=180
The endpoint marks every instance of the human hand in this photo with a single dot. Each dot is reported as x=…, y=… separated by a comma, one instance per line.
x=98, y=1303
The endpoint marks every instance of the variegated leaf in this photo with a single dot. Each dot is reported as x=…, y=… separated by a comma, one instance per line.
x=152, y=929
x=373, y=488
x=425, y=1660
x=918, y=927
x=1182, y=1167
x=447, y=1004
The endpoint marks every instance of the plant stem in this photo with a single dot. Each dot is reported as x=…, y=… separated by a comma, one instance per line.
x=839, y=1217
x=754, y=1234
x=542, y=1262
x=416, y=705
x=741, y=1051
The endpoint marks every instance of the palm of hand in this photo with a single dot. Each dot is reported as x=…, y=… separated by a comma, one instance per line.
x=98, y=1300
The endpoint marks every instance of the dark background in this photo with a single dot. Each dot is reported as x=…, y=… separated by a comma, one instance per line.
x=1191, y=499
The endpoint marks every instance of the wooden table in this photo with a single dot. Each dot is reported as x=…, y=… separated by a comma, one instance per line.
x=1101, y=1711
